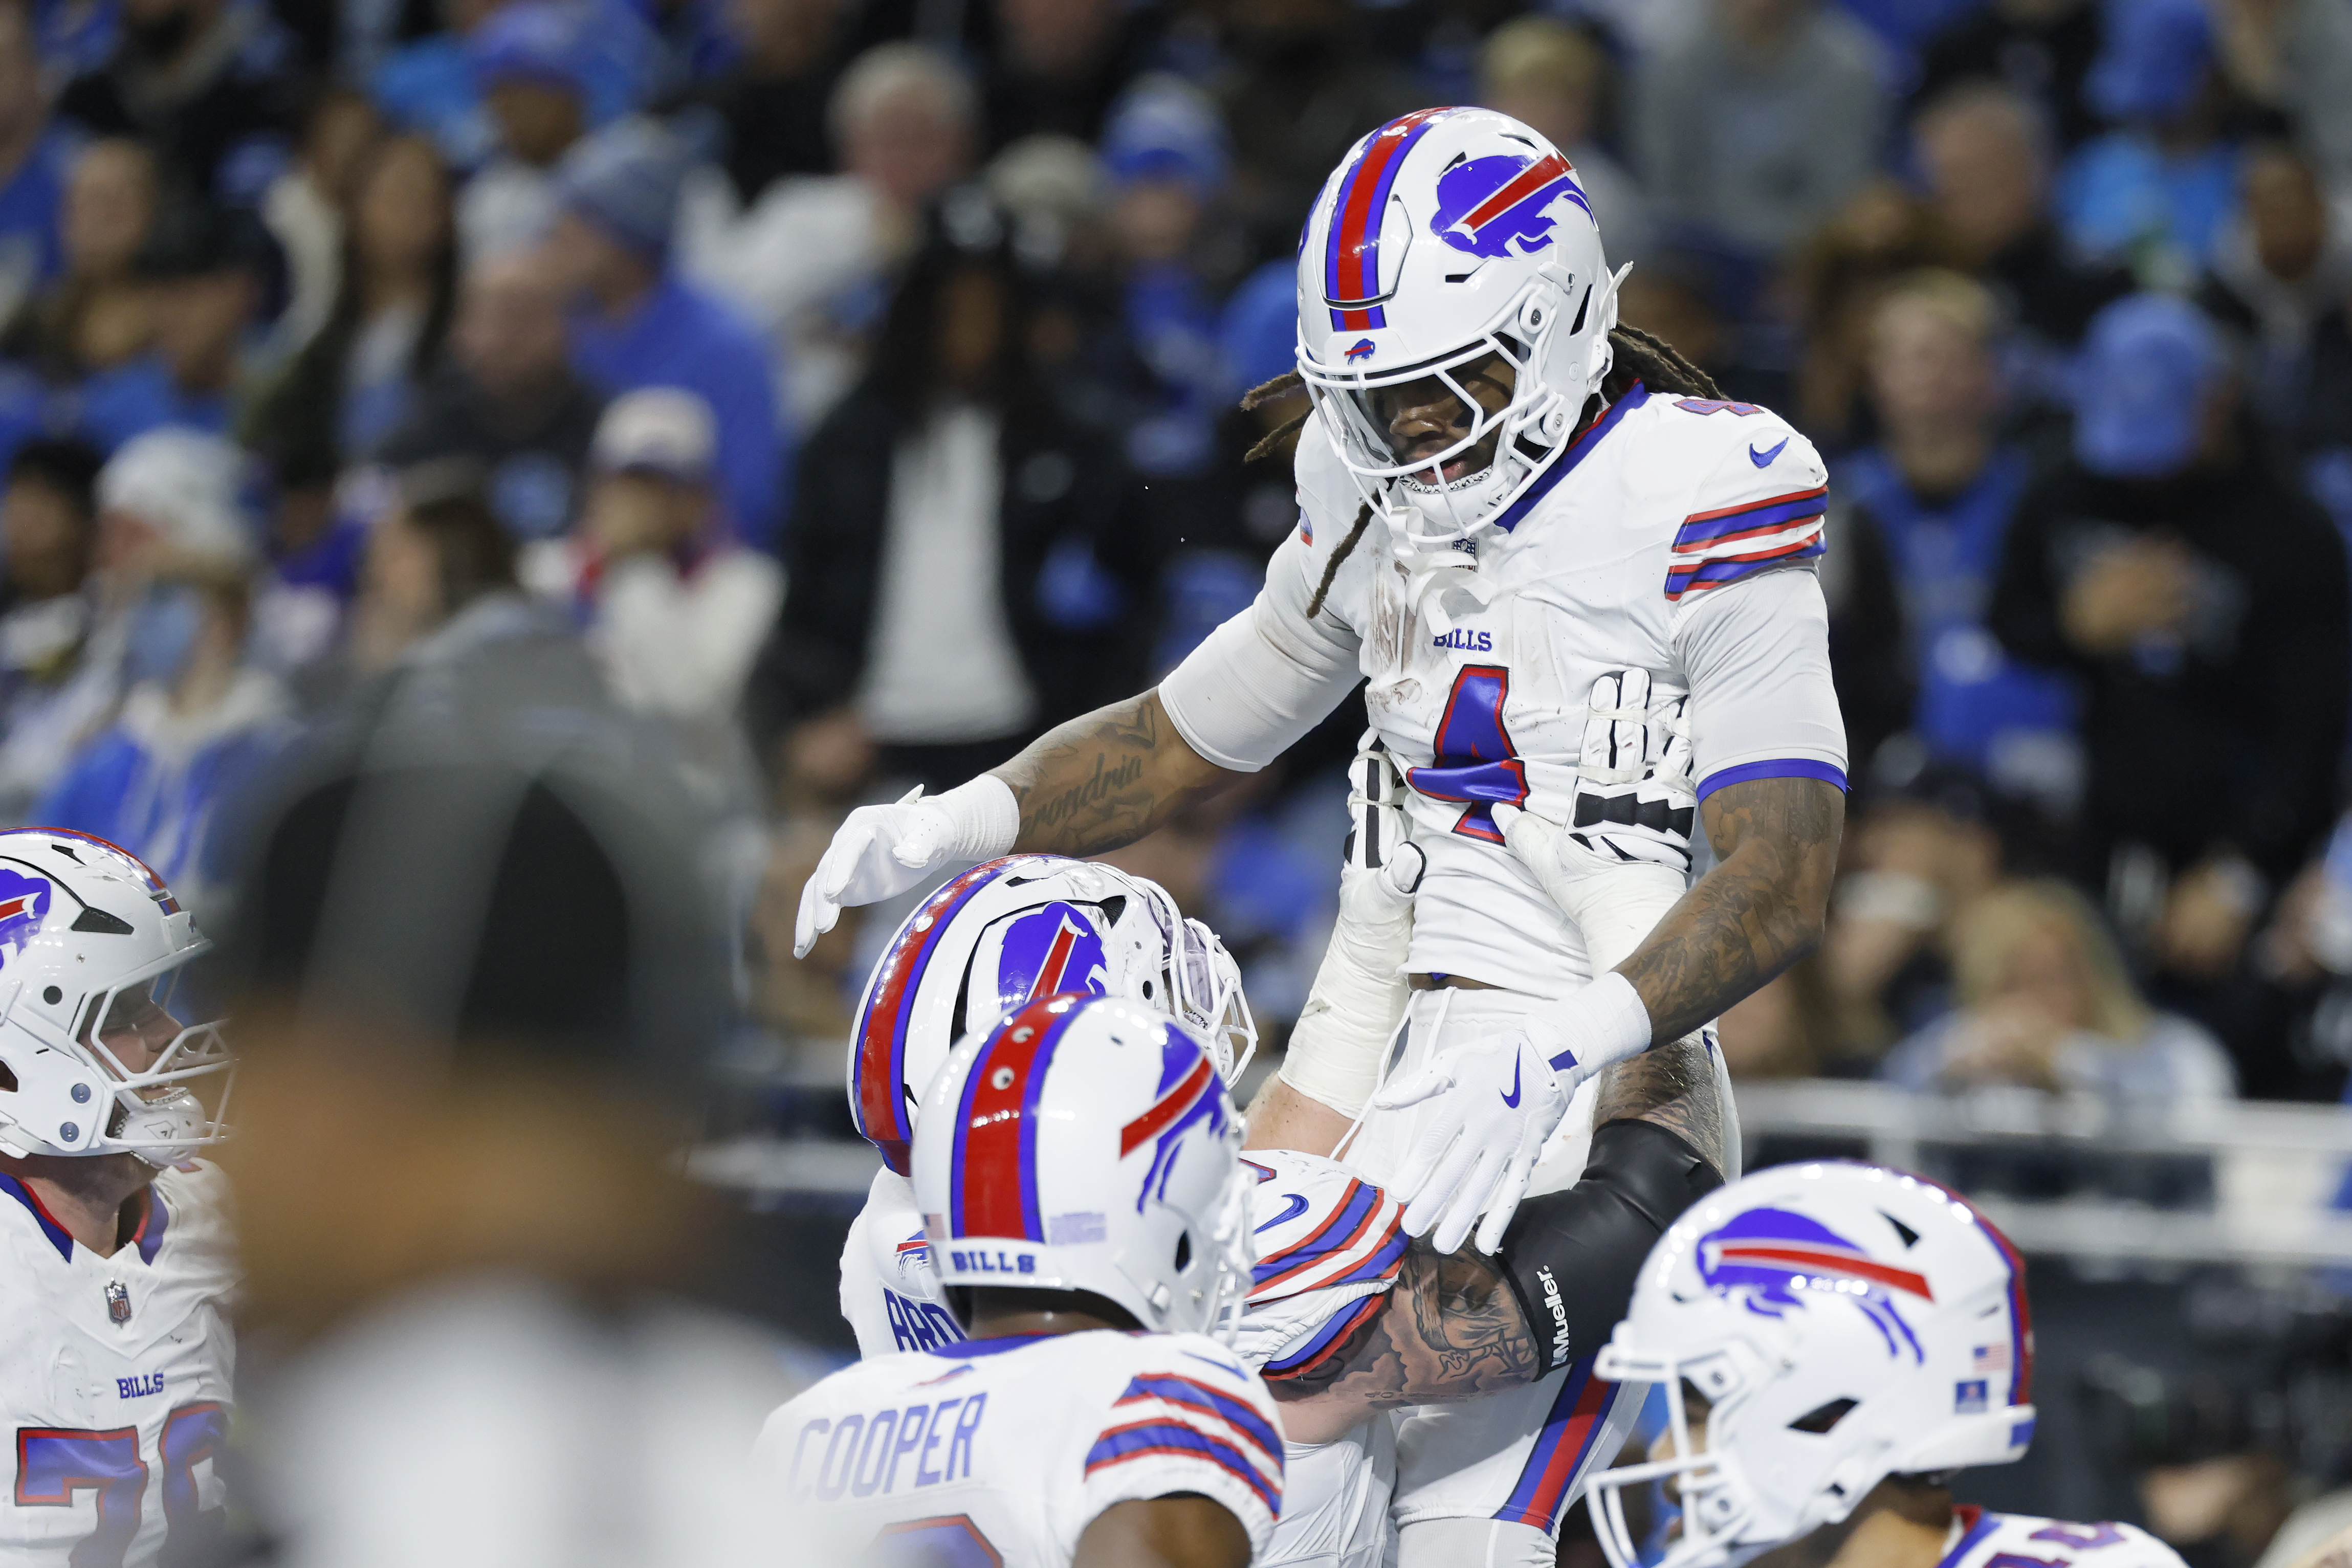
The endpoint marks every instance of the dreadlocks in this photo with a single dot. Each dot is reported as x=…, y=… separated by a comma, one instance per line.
x=1635, y=356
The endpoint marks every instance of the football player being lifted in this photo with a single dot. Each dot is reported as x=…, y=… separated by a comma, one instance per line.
x=115, y=1352
x=1835, y=1340
x=1345, y=1317
x=1504, y=497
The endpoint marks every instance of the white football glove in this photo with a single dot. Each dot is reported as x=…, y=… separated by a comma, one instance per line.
x=1341, y=1039
x=1634, y=795
x=882, y=851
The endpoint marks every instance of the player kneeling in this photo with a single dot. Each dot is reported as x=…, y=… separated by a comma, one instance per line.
x=1835, y=1340
x=116, y=1354
x=1078, y=1169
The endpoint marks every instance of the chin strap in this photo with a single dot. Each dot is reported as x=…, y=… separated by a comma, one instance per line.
x=1429, y=565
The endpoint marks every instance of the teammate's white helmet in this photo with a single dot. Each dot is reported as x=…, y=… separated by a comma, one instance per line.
x=1012, y=930
x=1846, y=1323
x=93, y=947
x=1443, y=236
x=1086, y=1143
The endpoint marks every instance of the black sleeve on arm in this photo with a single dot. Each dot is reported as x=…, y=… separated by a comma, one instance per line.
x=1571, y=1257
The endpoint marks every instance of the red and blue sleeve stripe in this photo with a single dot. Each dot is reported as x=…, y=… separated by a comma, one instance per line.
x=1175, y=1388
x=993, y=1189
x=1715, y=571
x=1351, y=252
x=1579, y=1415
x=1145, y=1438
x=1325, y=1340
x=1343, y=1230
x=878, y=1060
x=1750, y=520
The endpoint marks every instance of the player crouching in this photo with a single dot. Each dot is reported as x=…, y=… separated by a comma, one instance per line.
x=1835, y=1340
x=116, y=1358
x=1078, y=1169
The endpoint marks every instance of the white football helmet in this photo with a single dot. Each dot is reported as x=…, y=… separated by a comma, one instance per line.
x=1086, y=1143
x=1845, y=1323
x=1014, y=930
x=1443, y=236
x=94, y=953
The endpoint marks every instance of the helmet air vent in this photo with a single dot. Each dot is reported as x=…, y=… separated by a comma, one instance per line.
x=1184, y=1251
x=1820, y=1420
x=97, y=920
x=1583, y=306
x=1910, y=1236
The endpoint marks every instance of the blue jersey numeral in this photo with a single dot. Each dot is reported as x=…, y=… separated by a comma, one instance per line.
x=1475, y=762
x=55, y=1466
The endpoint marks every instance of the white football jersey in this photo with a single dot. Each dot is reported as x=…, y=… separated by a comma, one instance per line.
x=116, y=1372
x=1663, y=539
x=889, y=1293
x=1004, y=1450
x=1981, y=1539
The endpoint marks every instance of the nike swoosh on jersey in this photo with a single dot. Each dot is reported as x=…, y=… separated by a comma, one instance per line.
x=1512, y=1099
x=1293, y=1206
x=1764, y=459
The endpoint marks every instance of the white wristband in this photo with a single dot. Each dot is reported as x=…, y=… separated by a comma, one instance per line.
x=1603, y=1023
x=1343, y=1036
x=984, y=817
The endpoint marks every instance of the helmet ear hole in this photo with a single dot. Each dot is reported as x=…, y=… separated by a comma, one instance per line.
x=1184, y=1251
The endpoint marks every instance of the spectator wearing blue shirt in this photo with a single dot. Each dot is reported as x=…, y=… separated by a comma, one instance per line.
x=33, y=164
x=531, y=62
x=2160, y=188
x=430, y=85
x=1935, y=497
x=1166, y=150
x=637, y=324
x=214, y=274
x=198, y=729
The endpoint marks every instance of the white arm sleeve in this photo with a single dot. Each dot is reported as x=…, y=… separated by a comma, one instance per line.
x=1763, y=704
x=1266, y=677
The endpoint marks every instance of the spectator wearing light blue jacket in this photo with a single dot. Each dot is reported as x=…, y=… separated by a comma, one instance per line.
x=637, y=324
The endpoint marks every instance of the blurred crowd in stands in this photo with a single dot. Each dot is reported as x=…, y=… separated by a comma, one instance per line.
x=853, y=383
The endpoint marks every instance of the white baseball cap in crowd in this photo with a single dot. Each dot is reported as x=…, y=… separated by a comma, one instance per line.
x=668, y=430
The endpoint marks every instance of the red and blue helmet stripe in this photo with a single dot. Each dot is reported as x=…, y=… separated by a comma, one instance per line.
x=1351, y=250
x=877, y=1064
x=992, y=1190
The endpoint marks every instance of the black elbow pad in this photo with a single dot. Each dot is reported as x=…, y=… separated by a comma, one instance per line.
x=1571, y=1257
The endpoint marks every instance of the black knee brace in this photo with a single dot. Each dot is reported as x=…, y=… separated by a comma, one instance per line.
x=1571, y=1257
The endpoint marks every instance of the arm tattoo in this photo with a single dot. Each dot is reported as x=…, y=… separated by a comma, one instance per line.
x=1106, y=779
x=1450, y=1329
x=1675, y=1087
x=1758, y=911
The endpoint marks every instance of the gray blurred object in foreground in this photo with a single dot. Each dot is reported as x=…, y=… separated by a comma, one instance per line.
x=483, y=982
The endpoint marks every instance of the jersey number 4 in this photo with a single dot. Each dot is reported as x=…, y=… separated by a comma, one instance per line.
x=55, y=1465
x=1475, y=762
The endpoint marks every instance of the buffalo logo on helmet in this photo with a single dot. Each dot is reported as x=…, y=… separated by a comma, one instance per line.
x=1049, y=951
x=1187, y=1096
x=23, y=903
x=1764, y=1257
x=1362, y=349
x=1487, y=203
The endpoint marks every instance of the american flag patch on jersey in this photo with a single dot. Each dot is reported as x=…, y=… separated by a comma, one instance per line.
x=1712, y=548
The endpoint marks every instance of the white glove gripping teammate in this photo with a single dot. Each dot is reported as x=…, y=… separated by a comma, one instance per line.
x=1485, y=1109
x=1343, y=1033
x=882, y=851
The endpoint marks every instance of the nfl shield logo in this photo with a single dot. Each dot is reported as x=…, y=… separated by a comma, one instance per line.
x=117, y=1302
